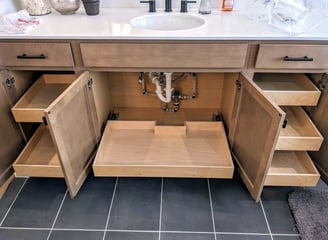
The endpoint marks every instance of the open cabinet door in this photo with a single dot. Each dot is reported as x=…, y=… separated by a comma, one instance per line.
x=255, y=128
x=71, y=123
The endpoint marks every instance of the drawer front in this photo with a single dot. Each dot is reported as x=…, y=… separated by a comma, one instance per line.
x=36, y=55
x=272, y=56
x=164, y=55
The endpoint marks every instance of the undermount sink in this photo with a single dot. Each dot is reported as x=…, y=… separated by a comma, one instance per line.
x=167, y=22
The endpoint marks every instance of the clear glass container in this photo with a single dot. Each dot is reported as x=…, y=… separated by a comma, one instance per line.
x=66, y=7
x=205, y=7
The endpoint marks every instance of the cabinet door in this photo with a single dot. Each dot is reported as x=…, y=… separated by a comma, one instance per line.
x=71, y=120
x=255, y=128
x=11, y=140
x=319, y=117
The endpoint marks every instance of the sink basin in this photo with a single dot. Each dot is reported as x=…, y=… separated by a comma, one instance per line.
x=167, y=22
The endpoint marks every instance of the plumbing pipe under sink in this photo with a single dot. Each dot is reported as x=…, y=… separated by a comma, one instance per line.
x=168, y=89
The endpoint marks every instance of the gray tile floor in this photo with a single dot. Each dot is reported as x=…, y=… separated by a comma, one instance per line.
x=144, y=209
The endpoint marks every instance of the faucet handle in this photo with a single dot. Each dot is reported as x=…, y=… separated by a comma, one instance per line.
x=152, y=5
x=184, y=5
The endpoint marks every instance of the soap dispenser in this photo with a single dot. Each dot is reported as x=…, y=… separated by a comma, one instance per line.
x=205, y=7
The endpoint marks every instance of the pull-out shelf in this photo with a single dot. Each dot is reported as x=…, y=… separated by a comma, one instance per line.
x=31, y=106
x=300, y=133
x=288, y=89
x=141, y=148
x=39, y=157
x=289, y=168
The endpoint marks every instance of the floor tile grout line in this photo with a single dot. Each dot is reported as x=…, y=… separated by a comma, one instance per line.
x=149, y=231
x=60, y=207
x=266, y=219
x=211, y=205
x=160, y=209
x=110, y=208
x=11, y=205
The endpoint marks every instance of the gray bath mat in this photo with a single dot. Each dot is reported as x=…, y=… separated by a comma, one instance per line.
x=310, y=210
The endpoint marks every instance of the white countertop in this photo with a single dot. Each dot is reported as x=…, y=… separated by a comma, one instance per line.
x=114, y=24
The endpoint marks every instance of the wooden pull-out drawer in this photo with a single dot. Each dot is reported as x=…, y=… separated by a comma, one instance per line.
x=36, y=55
x=163, y=55
x=288, y=89
x=141, y=148
x=290, y=168
x=31, y=106
x=285, y=56
x=39, y=158
x=300, y=133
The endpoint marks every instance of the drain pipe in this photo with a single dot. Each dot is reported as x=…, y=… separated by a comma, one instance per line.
x=168, y=89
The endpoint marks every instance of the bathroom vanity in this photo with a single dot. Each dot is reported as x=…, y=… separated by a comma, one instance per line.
x=258, y=108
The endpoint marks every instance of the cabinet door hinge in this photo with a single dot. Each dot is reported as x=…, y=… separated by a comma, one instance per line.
x=90, y=82
x=10, y=82
x=238, y=84
x=321, y=86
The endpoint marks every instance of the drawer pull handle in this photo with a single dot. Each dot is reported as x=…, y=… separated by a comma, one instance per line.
x=298, y=59
x=25, y=56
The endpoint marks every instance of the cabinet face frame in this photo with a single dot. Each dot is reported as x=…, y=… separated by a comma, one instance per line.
x=255, y=129
x=71, y=119
x=11, y=139
x=319, y=116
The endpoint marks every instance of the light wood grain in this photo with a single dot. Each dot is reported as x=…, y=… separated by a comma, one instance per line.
x=289, y=168
x=300, y=133
x=288, y=89
x=71, y=119
x=57, y=54
x=163, y=117
x=126, y=92
x=46, y=89
x=197, y=153
x=164, y=55
x=253, y=134
x=271, y=56
x=39, y=158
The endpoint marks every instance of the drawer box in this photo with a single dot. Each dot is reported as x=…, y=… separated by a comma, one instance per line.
x=288, y=89
x=31, y=106
x=36, y=55
x=39, y=158
x=174, y=55
x=285, y=56
x=290, y=168
x=300, y=133
x=197, y=149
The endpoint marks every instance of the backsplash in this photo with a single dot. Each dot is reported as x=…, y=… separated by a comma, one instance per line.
x=216, y=4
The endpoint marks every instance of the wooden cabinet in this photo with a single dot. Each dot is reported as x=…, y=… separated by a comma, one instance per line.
x=64, y=145
x=164, y=55
x=39, y=54
x=138, y=138
x=292, y=56
x=12, y=138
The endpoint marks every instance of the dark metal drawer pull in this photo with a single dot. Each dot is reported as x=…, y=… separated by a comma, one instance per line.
x=24, y=56
x=298, y=59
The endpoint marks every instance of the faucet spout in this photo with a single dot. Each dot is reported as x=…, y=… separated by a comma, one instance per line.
x=168, y=6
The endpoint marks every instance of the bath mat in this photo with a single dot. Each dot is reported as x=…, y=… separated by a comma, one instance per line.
x=310, y=210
